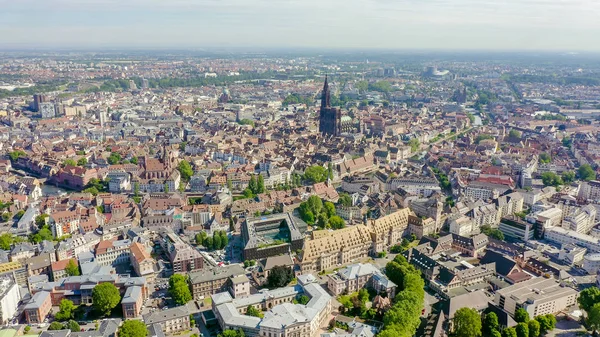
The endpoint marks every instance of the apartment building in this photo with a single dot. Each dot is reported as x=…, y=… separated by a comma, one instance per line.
x=183, y=257
x=538, y=296
x=63, y=222
x=358, y=276
x=590, y=190
x=516, y=228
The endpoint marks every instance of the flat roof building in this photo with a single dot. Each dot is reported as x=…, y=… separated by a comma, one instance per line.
x=538, y=296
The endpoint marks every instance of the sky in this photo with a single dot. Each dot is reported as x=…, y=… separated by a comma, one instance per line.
x=565, y=25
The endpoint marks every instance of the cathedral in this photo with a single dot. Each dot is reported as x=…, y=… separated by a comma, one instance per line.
x=329, y=117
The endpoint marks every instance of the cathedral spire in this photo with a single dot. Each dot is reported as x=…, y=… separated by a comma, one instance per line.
x=326, y=95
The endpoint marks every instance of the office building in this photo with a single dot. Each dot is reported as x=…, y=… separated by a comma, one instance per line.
x=171, y=321
x=516, y=228
x=563, y=236
x=591, y=263
x=538, y=296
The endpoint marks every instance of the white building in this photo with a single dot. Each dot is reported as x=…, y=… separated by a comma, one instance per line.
x=590, y=190
x=538, y=296
x=110, y=253
x=580, y=220
x=9, y=298
x=591, y=263
x=563, y=236
x=462, y=226
x=571, y=254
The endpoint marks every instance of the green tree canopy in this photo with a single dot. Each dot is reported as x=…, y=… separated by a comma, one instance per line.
x=534, y=328
x=588, y=298
x=73, y=326
x=316, y=174
x=232, y=333
x=345, y=200
x=547, y=323
x=252, y=311
x=55, y=326
x=179, y=289
x=280, y=276
x=82, y=162
x=568, y=177
x=66, y=310
x=336, y=222
x=72, y=269
x=490, y=323
x=185, y=169
x=106, y=297
x=16, y=155
x=545, y=158
x=514, y=133
x=593, y=319
x=551, y=179
x=586, y=172
x=521, y=315
x=133, y=328
x=509, y=332
x=467, y=323
x=522, y=330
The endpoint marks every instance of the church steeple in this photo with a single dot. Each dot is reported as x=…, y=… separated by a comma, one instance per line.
x=326, y=95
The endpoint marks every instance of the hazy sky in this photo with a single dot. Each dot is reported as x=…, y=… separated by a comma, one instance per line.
x=569, y=25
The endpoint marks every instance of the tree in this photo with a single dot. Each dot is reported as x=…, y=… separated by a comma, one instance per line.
x=114, y=158
x=66, y=310
x=492, y=232
x=16, y=155
x=40, y=220
x=82, y=162
x=315, y=174
x=568, y=177
x=514, y=134
x=586, y=172
x=336, y=222
x=567, y=142
x=91, y=190
x=224, y=239
x=260, y=184
x=69, y=162
x=72, y=269
x=322, y=220
x=509, y=332
x=545, y=158
x=232, y=333
x=73, y=326
x=253, y=185
x=330, y=171
x=6, y=241
x=414, y=145
x=252, y=311
x=495, y=333
x=547, y=323
x=551, y=179
x=179, y=290
x=345, y=200
x=467, y=323
x=208, y=243
x=534, y=328
x=133, y=328
x=329, y=209
x=593, y=319
x=490, y=324
x=55, y=326
x=522, y=330
x=7, y=216
x=106, y=297
x=588, y=298
x=521, y=316
x=303, y=299
x=134, y=160
x=216, y=241
x=280, y=276
x=200, y=238
x=185, y=169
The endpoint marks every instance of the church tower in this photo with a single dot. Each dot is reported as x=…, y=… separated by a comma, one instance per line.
x=329, y=117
